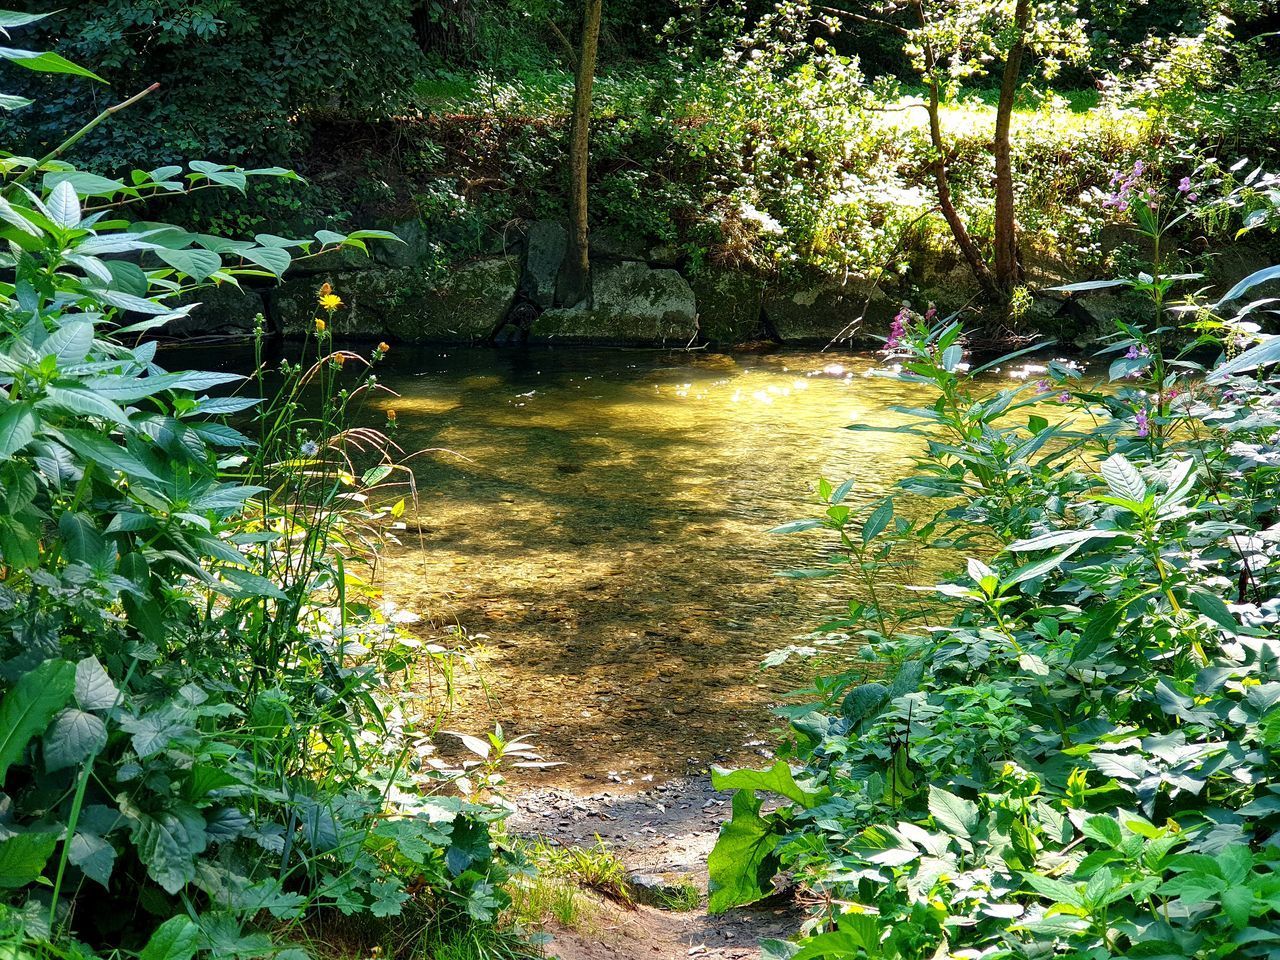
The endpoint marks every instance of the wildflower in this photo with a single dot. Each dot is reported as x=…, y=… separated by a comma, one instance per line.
x=310, y=448
x=1144, y=424
x=391, y=415
x=1043, y=386
x=931, y=312
x=384, y=348
x=1137, y=351
x=330, y=302
x=326, y=288
x=1064, y=397
x=320, y=325
x=1174, y=394
x=898, y=329
x=1184, y=185
x=339, y=359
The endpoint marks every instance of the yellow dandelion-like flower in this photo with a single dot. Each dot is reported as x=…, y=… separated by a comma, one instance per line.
x=391, y=415
x=330, y=301
x=326, y=288
x=339, y=359
x=320, y=325
x=384, y=347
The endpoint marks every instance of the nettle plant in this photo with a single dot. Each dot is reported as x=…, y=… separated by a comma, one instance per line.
x=1073, y=751
x=199, y=733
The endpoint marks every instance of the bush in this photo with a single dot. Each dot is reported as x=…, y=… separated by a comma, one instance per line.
x=1071, y=748
x=199, y=728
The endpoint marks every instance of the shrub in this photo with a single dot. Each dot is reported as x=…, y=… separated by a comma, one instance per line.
x=1072, y=752
x=199, y=731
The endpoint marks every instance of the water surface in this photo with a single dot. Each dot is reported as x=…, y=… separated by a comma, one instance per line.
x=600, y=517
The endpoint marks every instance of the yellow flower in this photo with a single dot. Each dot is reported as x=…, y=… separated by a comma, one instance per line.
x=339, y=359
x=320, y=325
x=384, y=347
x=325, y=289
x=331, y=301
x=391, y=415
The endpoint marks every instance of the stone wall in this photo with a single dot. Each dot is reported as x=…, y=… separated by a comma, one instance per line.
x=641, y=296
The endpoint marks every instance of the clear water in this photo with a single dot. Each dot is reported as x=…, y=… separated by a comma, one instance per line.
x=597, y=520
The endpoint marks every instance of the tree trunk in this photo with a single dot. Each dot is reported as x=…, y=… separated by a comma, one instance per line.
x=574, y=282
x=1008, y=271
x=942, y=180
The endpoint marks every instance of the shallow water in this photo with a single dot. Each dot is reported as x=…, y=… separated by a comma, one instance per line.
x=597, y=521
x=602, y=518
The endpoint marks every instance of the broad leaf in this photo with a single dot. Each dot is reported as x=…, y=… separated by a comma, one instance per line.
x=27, y=709
x=743, y=862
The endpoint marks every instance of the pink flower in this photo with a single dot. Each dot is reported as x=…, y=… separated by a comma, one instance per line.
x=898, y=330
x=1043, y=386
x=1184, y=185
x=1064, y=397
x=1144, y=425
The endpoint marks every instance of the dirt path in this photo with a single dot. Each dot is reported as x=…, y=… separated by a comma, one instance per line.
x=663, y=835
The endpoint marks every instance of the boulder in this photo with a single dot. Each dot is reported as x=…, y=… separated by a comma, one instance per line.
x=632, y=303
x=224, y=309
x=545, y=245
x=729, y=304
x=825, y=311
x=408, y=304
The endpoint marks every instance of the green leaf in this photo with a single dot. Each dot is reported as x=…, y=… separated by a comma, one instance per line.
x=17, y=428
x=1103, y=829
x=72, y=738
x=200, y=264
x=106, y=454
x=1251, y=359
x=83, y=402
x=863, y=701
x=777, y=779
x=743, y=862
x=1237, y=904
x=168, y=844
x=10, y=102
x=1055, y=890
x=27, y=709
x=954, y=814
x=878, y=520
x=23, y=857
x=70, y=343
x=275, y=259
x=63, y=205
x=175, y=939
x=95, y=857
x=1123, y=478
x=47, y=62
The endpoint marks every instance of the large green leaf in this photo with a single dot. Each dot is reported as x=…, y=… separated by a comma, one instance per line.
x=777, y=779
x=22, y=858
x=743, y=862
x=954, y=814
x=200, y=264
x=17, y=428
x=175, y=939
x=168, y=844
x=63, y=205
x=72, y=738
x=27, y=709
x=47, y=62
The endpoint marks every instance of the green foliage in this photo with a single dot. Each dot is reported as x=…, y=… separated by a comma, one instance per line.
x=197, y=709
x=1076, y=756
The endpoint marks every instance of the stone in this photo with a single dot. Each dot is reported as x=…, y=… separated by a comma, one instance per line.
x=822, y=312
x=631, y=303
x=616, y=243
x=664, y=892
x=408, y=304
x=545, y=244
x=417, y=248
x=224, y=309
x=729, y=304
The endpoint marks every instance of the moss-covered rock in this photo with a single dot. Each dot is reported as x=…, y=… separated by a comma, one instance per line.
x=408, y=304
x=631, y=303
x=728, y=305
x=826, y=311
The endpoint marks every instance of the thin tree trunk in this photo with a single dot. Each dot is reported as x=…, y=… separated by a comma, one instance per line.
x=574, y=282
x=942, y=180
x=1008, y=271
